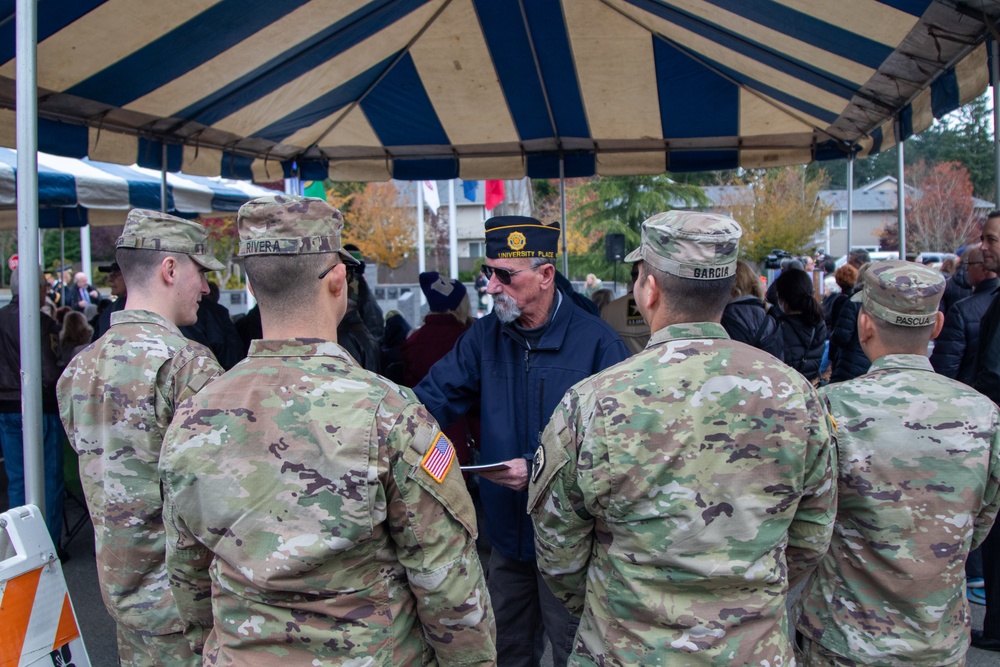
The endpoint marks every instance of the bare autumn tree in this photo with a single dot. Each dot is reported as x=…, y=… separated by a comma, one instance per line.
x=777, y=208
x=376, y=223
x=940, y=215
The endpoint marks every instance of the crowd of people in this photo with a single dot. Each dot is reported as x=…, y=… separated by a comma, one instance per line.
x=630, y=481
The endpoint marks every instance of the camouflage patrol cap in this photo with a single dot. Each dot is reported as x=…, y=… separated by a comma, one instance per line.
x=291, y=225
x=901, y=293
x=690, y=244
x=152, y=230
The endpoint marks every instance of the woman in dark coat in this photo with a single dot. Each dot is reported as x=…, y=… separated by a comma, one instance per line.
x=847, y=359
x=745, y=318
x=802, y=328
x=845, y=276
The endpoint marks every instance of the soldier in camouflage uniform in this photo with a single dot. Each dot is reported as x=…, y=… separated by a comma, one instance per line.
x=116, y=399
x=678, y=496
x=339, y=522
x=919, y=486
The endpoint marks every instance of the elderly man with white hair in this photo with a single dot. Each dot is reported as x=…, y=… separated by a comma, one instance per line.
x=81, y=293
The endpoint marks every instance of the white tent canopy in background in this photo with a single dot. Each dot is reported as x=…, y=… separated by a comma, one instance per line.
x=108, y=191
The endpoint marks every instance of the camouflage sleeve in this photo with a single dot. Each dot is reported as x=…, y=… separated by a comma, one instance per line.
x=187, y=560
x=433, y=524
x=564, y=529
x=192, y=370
x=991, y=496
x=812, y=527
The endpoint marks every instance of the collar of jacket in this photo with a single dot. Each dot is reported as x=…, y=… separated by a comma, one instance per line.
x=902, y=361
x=143, y=317
x=555, y=328
x=988, y=285
x=688, y=330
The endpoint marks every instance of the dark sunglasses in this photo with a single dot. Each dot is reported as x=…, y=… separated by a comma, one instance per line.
x=350, y=271
x=503, y=275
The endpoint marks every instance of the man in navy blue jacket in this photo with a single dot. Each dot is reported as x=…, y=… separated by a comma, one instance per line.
x=955, y=347
x=516, y=363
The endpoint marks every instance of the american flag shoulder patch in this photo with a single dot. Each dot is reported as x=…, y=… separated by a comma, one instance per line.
x=439, y=457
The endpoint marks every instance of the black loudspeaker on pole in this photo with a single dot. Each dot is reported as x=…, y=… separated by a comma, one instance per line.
x=614, y=251
x=614, y=247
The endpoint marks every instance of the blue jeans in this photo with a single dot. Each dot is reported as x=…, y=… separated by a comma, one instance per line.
x=13, y=455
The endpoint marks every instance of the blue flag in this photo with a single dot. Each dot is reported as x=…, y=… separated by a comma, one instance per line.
x=470, y=188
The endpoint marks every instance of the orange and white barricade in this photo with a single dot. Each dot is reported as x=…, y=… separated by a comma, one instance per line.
x=38, y=626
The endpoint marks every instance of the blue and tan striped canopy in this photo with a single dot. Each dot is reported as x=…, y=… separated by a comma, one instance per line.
x=437, y=89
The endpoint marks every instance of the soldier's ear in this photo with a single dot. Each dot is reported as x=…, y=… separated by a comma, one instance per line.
x=336, y=281
x=168, y=269
x=651, y=292
x=866, y=328
x=938, y=324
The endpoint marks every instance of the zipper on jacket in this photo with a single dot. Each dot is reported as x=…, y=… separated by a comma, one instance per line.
x=541, y=409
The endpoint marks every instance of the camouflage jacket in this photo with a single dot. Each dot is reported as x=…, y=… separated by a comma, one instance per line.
x=919, y=482
x=116, y=399
x=302, y=474
x=676, y=498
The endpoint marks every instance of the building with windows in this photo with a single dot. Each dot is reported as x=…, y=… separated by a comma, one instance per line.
x=470, y=222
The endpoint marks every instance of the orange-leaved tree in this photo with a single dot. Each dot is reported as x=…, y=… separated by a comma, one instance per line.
x=548, y=210
x=378, y=224
x=777, y=208
x=223, y=244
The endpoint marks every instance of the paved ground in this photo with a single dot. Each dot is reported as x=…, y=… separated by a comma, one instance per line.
x=99, y=631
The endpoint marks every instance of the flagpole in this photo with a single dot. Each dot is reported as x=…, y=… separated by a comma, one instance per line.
x=421, y=258
x=562, y=208
x=452, y=231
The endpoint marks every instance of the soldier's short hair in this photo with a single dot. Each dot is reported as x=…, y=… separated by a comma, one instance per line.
x=900, y=339
x=140, y=265
x=287, y=283
x=701, y=300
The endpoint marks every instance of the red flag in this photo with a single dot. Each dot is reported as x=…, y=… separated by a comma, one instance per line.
x=494, y=194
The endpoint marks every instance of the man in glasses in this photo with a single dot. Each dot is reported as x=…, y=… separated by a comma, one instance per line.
x=338, y=519
x=515, y=364
x=623, y=316
x=955, y=348
x=118, y=290
x=678, y=496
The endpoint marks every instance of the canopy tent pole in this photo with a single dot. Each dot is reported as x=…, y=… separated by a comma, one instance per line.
x=901, y=203
x=163, y=178
x=994, y=80
x=85, y=252
x=421, y=257
x=452, y=231
x=27, y=237
x=850, y=201
x=62, y=252
x=562, y=211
